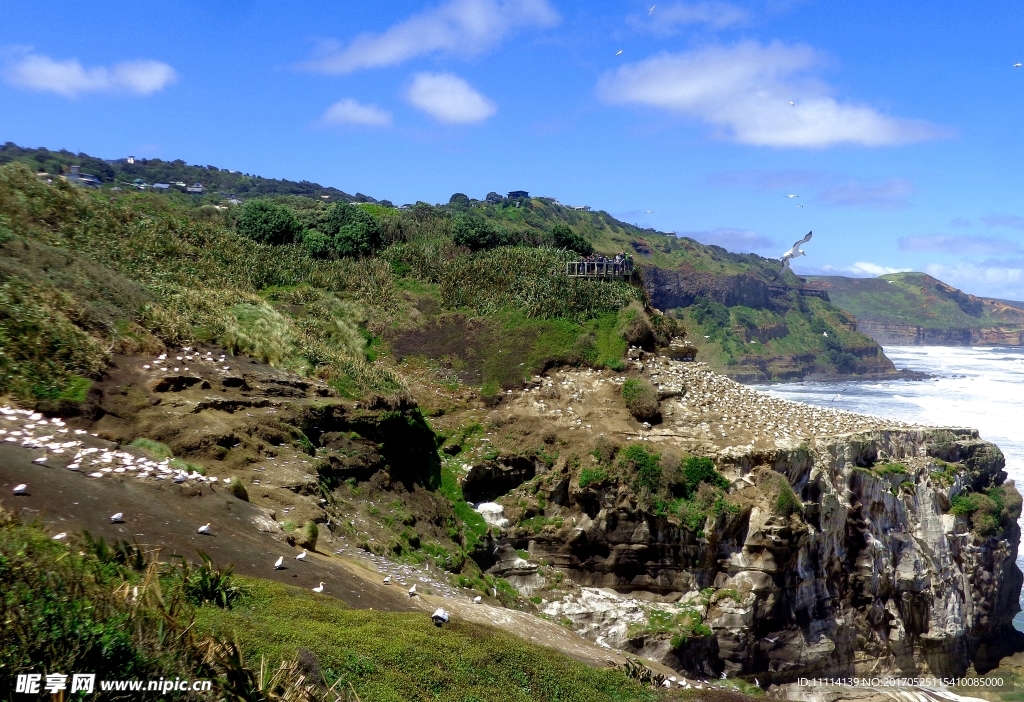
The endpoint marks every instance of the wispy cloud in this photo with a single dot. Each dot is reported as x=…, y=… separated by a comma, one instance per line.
x=742, y=91
x=448, y=98
x=1012, y=221
x=70, y=78
x=351, y=111
x=961, y=245
x=459, y=27
x=891, y=194
x=669, y=19
x=738, y=240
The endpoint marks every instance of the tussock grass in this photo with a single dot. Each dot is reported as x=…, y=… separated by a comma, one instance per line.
x=403, y=656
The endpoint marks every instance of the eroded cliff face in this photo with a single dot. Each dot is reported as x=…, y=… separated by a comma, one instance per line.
x=896, y=334
x=879, y=569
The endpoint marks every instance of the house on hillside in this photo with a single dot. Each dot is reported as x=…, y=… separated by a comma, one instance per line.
x=579, y=208
x=76, y=177
x=518, y=195
x=195, y=189
x=131, y=159
x=162, y=186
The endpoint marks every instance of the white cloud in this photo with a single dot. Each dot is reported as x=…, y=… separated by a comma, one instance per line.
x=861, y=269
x=350, y=111
x=462, y=27
x=744, y=90
x=1003, y=279
x=738, y=240
x=69, y=78
x=667, y=19
x=448, y=98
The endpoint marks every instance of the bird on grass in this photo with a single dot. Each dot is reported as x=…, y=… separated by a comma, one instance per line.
x=61, y=536
x=204, y=529
x=319, y=588
x=116, y=518
x=478, y=599
x=21, y=489
x=794, y=252
x=301, y=556
x=412, y=591
x=278, y=564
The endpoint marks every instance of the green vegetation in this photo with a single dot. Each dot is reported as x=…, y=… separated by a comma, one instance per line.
x=891, y=469
x=461, y=661
x=237, y=488
x=786, y=502
x=641, y=399
x=154, y=448
x=592, y=476
x=267, y=223
x=565, y=238
x=641, y=467
x=474, y=527
x=918, y=300
x=991, y=511
x=700, y=469
x=681, y=626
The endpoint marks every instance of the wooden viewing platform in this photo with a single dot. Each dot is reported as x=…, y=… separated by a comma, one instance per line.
x=599, y=269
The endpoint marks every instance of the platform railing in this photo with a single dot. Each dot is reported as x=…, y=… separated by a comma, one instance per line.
x=599, y=269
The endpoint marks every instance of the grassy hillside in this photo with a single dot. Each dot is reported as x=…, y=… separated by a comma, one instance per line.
x=917, y=299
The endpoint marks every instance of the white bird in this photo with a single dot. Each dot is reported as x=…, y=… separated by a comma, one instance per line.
x=319, y=588
x=204, y=529
x=116, y=518
x=58, y=537
x=771, y=641
x=792, y=196
x=40, y=460
x=756, y=682
x=824, y=333
x=21, y=489
x=651, y=11
x=278, y=563
x=619, y=52
x=412, y=591
x=387, y=580
x=723, y=675
x=1018, y=65
x=301, y=556
x=792, y=104
x=800, y=206
x=478, y=599
x=793, y=252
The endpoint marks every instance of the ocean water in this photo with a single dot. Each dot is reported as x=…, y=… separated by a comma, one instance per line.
x=979, y=387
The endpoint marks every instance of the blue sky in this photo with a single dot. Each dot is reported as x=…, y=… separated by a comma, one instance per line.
x=903, y=141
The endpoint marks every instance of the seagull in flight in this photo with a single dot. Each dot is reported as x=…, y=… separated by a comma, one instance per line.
x=619, y=52
x=792, y=104
x=648, y=211
x=800, y=206
x=1018, y=65
x=791, y=196
x=651, y=11
x=794, y=252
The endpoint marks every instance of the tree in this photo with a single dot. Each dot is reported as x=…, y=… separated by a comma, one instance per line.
x=267, y=223
x=475, y=233
x=565, y=238
x=353, y=231
x=460, y=199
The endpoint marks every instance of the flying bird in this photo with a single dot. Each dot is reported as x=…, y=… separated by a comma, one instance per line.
x=319, y=588
x=279, y=563
x=204, y=529
x=771, y=641
x=117, y=518
x=619, y=52
x=651, y=12
x=1018, y=65
x=793, y=253
x=792, y=196
x=800, y=206
x=21, y=489
x=792, y=104
x=648, y=211
x=301, y=556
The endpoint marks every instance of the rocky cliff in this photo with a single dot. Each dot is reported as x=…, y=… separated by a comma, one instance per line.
x=899, y=334
x=898, y=558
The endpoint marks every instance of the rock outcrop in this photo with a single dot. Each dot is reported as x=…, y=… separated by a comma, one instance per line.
x=879, y=567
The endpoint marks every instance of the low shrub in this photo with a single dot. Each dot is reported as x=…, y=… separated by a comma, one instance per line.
x=643, y=466
x=238, y=490
x=592, y=476
x=700, y=469
x=641, y=399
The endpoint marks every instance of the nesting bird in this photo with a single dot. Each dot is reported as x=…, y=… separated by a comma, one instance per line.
x=319, y=588
x=204, y=529
x=387, y=580
x=21, y=489
x=478, y=599
x=279, y=563
x=412, y=591
x=60, y=536
x=40, y=460
x=301, y=556
x=117, y=518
